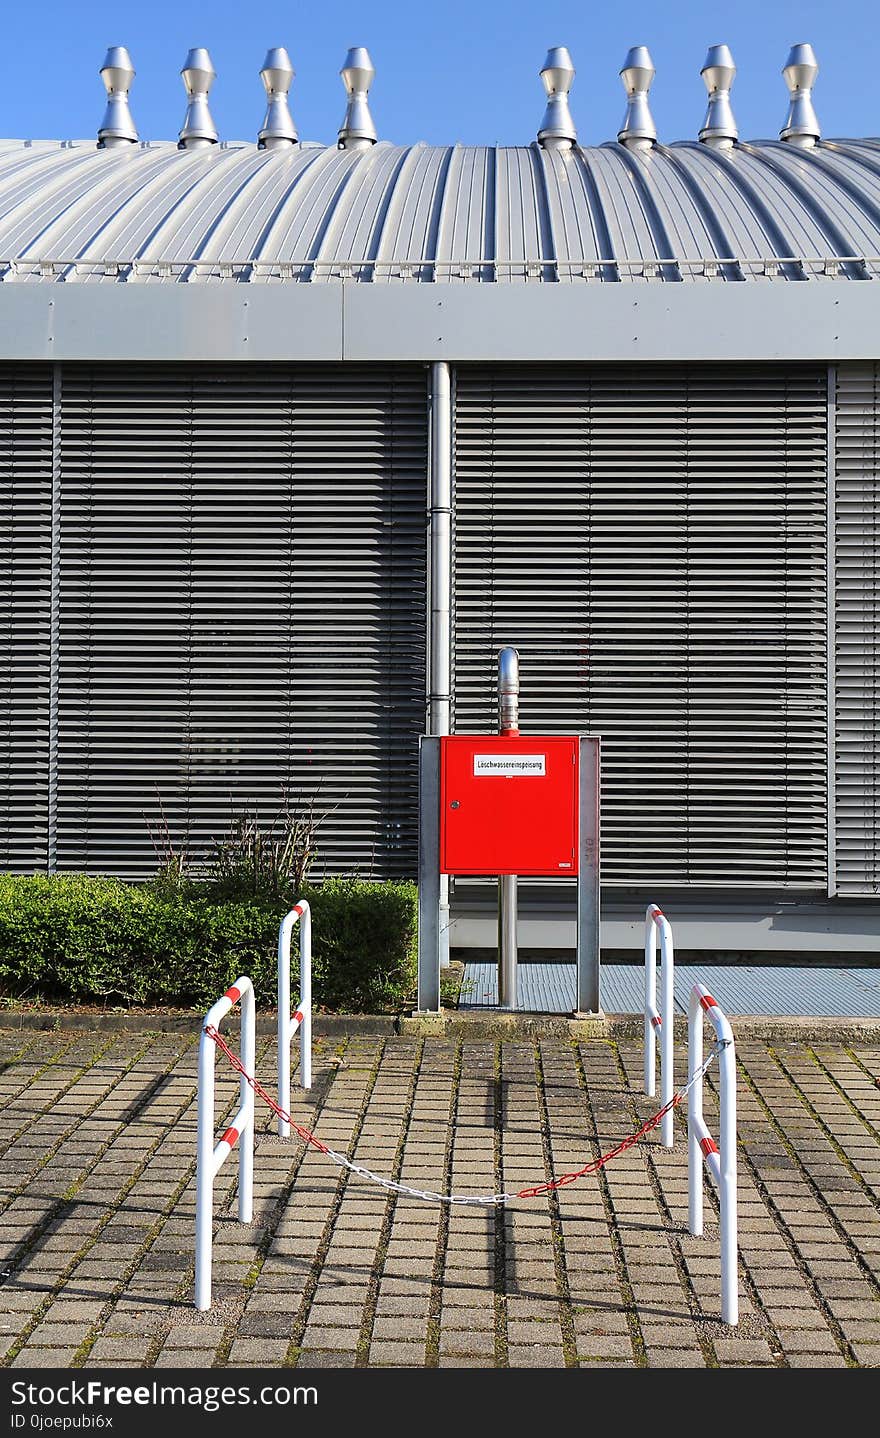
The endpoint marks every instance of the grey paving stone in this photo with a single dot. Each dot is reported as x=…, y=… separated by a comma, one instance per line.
x=742, y=1350
x=258, y=1350
x=675, y=1358
x=266, y=1325
x=816, y=1360
x=808, y=1340
x=44, y=1358
x=536, y=1355
x=194, y=1336
x=130, y=1348
x=396, y=1326
x=322, y=1336
x=474, y=1342
x=184, y=1358
x=315, y=1358
x=397, y=1353
x=867, y=1353
x=610, y=1346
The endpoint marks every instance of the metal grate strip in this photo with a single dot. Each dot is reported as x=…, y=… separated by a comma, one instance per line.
x=779, y=990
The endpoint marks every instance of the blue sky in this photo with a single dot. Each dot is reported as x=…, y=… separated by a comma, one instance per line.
x=458, y=70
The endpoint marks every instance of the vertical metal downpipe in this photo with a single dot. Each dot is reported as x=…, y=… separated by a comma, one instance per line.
x=508, y=723
x=831, y=628
x=54, y=626
x=440, y=586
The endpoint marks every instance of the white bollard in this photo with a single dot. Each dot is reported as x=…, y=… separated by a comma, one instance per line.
x=302, y=1019
x=721, y=1163
x=656, y=920
x=210, y=1157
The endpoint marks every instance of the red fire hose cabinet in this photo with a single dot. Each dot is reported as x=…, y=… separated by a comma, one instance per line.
x=509, y=805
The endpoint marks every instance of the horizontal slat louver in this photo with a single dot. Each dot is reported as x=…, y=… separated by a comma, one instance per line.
x=857, y=647
x=25, y=601
x=653, y=541
x=242, y=608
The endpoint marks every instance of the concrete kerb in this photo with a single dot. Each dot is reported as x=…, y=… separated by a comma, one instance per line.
x=454, y=1024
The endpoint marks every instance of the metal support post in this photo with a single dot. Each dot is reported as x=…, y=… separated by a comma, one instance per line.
x=440, y=586
x=429, y=873
x=508, y=723
x=507, y=941
x=588, y=997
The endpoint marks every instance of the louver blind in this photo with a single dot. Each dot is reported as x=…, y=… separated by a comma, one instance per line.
x=857, y=647
x=25, y=616
x=242, y=608
x=654, y=543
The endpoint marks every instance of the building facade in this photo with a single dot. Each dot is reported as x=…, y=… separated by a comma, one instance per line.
x=246, y=393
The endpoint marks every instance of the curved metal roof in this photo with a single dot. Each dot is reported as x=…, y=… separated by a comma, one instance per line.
x=678, y=213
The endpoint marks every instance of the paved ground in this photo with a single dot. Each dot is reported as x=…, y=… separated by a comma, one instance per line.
x=97, y=1210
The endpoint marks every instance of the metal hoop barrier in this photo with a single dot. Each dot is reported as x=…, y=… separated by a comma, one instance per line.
x=721, y=1162
x=301, y=1018
x=661, y=1019
x=210, y=1157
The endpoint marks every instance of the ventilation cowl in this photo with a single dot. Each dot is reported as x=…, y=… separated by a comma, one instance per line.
x=718, y=72
x=117, y=127
x=638, y=131
x=801, y=126
x=357, y=131
x=278, y=130
x=557, y=130
x=198, y=75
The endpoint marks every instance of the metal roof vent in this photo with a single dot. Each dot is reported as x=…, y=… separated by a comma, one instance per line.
x=117, y=127
x=198, y=75
x=801, y=125
x=358, y=131
x=278, y=129
x=638, y=131
x=557, y=130
x=718, y=72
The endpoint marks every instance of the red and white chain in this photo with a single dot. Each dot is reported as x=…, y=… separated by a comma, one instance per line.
x=427, y=1195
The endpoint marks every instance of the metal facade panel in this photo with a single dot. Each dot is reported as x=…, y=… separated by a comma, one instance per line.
x=653, y=541
x=25, y=615
x=396, y=323
x=242, y=608
x=857, y=645
x=657, y=323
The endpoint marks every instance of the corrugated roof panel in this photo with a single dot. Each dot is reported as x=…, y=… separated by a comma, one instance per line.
x=690, y=217
x=851, y=194
x=308, y=208
x=356, y=225
x=568, y=210
x=416, y=213
x=213, y=203
x=467, y=233
x=737, y=223
x=774, y=187
x=410, y=226
x=263, y=201
x=155, y=213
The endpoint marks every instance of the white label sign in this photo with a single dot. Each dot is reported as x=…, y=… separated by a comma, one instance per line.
x=510, y=766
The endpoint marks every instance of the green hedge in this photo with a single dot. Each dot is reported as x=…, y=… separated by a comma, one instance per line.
x=84, y=940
